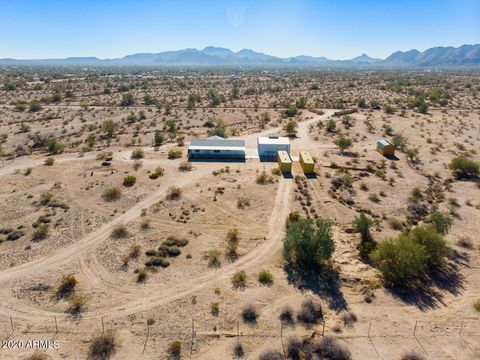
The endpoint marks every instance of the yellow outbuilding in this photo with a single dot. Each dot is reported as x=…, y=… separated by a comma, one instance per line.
x=284, y=162
x=306, y=162
x=385, y=148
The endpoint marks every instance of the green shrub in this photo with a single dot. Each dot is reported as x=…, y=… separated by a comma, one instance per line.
x=77, y=303
x=239, y=279
x=464, y=167
x=34, y=106
x=129, y=180
x=112, y=194
x=442, y=222
x=49, y=161
x=119, y=232
x=476, y=305
x=40, y=233
x=434, y=243
x=213, y=257
x=400, y=260
x=215, y=308
x=142, y=276
x=174, y=193
x=265, y=277
x=362, y=224
x=308, y=243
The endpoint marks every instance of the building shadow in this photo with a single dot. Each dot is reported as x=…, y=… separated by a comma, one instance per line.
x=267, y=159
x=287, y=175
x=323, y=282
x=312, y=176
x=391, y=157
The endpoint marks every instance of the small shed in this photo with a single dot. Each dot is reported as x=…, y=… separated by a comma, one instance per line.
x=385, y=148
x=269, y=146
x=306, y=162
x=284, y=162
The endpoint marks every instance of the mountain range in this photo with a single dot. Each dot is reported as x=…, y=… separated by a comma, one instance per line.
x=465, y=56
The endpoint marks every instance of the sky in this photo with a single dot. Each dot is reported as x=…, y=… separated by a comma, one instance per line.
x=35, y=29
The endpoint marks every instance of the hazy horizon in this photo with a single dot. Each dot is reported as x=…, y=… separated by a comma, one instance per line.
x=31, y=29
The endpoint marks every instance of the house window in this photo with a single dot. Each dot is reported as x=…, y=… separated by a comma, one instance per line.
x=216, y=151
x=197, y=150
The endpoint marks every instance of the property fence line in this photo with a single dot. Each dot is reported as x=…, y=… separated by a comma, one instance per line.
x=420, y=331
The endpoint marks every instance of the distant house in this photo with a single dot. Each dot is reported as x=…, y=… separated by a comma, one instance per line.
x=386, y=148
x=217, y=147
x=269, y=146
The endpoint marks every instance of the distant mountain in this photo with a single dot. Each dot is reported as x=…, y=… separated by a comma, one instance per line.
x=437, y=57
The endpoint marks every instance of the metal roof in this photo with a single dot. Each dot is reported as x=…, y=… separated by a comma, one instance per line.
x=277, y=140
x=283, y=156
x=216, y=142
x=382, y=143
x=306, y=157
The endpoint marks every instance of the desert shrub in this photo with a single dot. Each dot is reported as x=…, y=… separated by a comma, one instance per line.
x=55, y=147
x=292, y=217
x=362, y=224
x=145, y=224
x=476, y=305
x=40, y=233
x=174, y=349
x=215, y=308
x=271, y=355
x=286, y=315
x=185, y=166
x=465, y=242
x=102, y=346
x=127, y=99
x=308, y=243
x=233, y=236
x=49, y=161
x=463, y=167
x=77, y=303
x=349, y=318
x=243, y=202
x=264, y=179
x=238, y=350
x=119, y=232
x=310, y=313
x=137, y=154
x=400, y=260
x=174, y=154
x=174, y=193
x=66, y=286
x=37, y=355
x=412, y=355
x=142, y=276
x=175, y=241
x=129, y=181
x=213, y=257
x=265, y=277
x=159, y=171
x=232, y=251
x=249, y=314
x=112, y=194
x=158, y=261
x=134, y=251
x=343, y=142
x=441, y=221
x=34, y=106
x=239, y=279
x=329, y=348
x=434, y=243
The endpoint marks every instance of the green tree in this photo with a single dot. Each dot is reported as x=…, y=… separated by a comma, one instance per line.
x=434, y=244
x=442, y=222
x=362, y=224
x=308, y=243
x=291, y=128
x=220, y=129
x=109, y=127
x=34, y=106
x=362, y=103
x=158, y=138
x=331, y=126
x=301, y=103
x=344, y=142
x=54, y=146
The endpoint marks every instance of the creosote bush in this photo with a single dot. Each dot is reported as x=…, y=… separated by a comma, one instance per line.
x=66, y=286
x=249, y=314
x=129, y=181
x=239, y=279
x=310, y=313
x=174, y=349
x=119, y=232
x=102, y=346
x=271, y=355
x=265, y=277
x=174, y=193
x=174, y=154
x=463, y=167
x=112, y=194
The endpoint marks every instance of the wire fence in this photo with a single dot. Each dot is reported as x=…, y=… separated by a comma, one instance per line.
x=427, y=338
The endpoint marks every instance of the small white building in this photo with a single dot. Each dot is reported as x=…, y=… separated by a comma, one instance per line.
x=217, y=147
x=269, y=146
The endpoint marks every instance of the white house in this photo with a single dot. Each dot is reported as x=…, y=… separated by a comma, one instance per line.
x=269, y=146
x=217, y=147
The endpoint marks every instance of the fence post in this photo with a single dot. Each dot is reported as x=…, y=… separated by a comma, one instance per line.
x=281, y=338
x=11, y=323
x=103, y=326
x=56, y=326
x=193, y=334
x=323, y=329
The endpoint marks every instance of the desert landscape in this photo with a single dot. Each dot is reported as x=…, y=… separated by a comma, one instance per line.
x=114, y=244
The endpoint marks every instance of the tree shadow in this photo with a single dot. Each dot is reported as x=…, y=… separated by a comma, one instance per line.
x=323, y=282
x=428, y=294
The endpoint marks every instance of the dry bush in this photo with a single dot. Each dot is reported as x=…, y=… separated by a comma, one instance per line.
x=238, y=350
x=286, y=315
x=412, y=355
x=142, y=276
x=249, y=314
x=37, y=355
x=239, y=279
x=349, y=318
x=476, y=305
x=174, y=350
x=66, y=286
x=174, y=154
x=243, y=202
x=40, y=233
x=138, y=154
x=76, y=304
x=174, y=193
x=265, y=277
x=213, y=257
x=215, y=308
x=185, y=166
x=329, y=348
x=112, y=194
x=310, y=313
x=271, y=355
x=102, y=346
x=119, y=232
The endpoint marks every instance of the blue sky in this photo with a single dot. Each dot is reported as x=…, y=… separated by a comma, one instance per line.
x=336, y=29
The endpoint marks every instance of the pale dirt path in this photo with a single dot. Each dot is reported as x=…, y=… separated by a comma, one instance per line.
x=155, y=297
